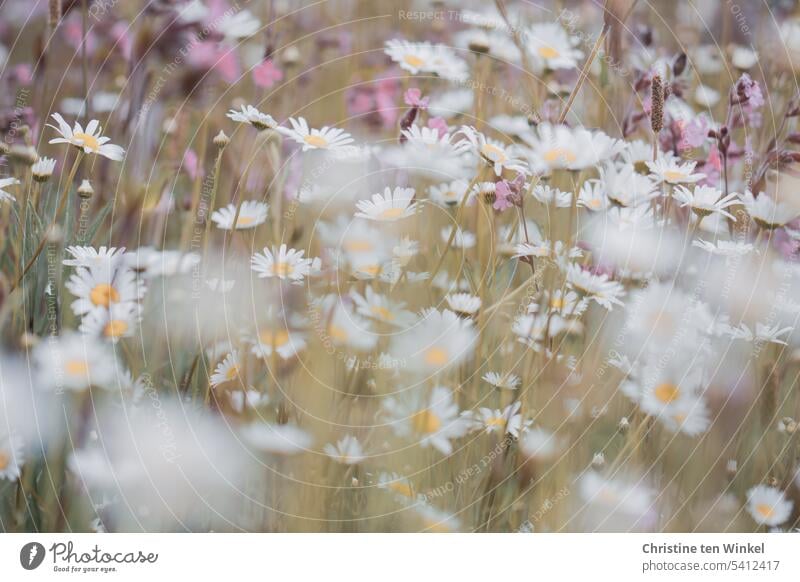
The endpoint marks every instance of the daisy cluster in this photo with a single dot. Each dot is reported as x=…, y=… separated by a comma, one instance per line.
x=412, y=278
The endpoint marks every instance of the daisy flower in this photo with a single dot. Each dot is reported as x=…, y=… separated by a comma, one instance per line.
x=347, y=451
x=448, y=193
x=43, y=169
x=725, y=248
x=767, y=212
x=283, y=263
x=388, y=207
x=555, y=147
x=463, y=239
x=592, y=196
x=551, y=196
x=428, y=153
x=705, y=200
x=507, y=381
x=768, y=505
x=434, y=420
x=763, y=333
x=238, y=25
x=254, y=117
x=436, y=342
x=624, y=186
x=499, y=156
x=92, y=257
x=100, y=287
x=5, y=183
x=278, y=339
x=76, y=362
x=435, y=521
x=670, y=170
x=412, y=57
x=151, y=263
x=400, y=486
x=552, y=47
x=11, y=456
x=508, y=420
x=226, y=371
x=381, y=308
x=117, y=321
x=251, y=214
x=464, y=304
x=596, y=287
x=89, y=140
x=327, y=138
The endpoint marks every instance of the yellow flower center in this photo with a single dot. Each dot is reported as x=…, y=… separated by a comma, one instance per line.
x=413, y=61
x=5, y=460
x=667, y=393
x=115, y=328
x=245, y=221
x=77, y=368
x=382, y=313
x=403, y=489
x=436, y=356
x=595, y=203
x=337, y=333
x=674, y=176
x=548, y=52
x=764, y=510
x=316, y=141
x=496, y=421
x=88, y=141
x=278, y=338
x=493, y=153
x=358, y=245
x=232, y=372
x=557, y=303
x=282, y=269
x=559, y=154
x=371, y=270
x=426, y=421
x=392, y=213
x=104, y=295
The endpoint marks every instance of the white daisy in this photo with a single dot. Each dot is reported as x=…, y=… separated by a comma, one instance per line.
x=251, y=214
x=499, y=156
x=768, y=505
x=596, y=287
x=5, y=183
x=92, y=257
x=550, y=196
x=76, y=362
x=381, y=308
x=508, y=420
x=725, y=248
x=552, y=47
x=670, y=170
x=326, y=138
x=276, y=339
x=464, y=304
x=624, y=186
x=283, y=263
x=254, y=117
x=347, y=451
x=113, y=323
x=507, y=381
x=388, y=207
x=89, y=140
x=11, y=456
x=100, y=287
x=227, y=370
x=433, y=420
x=436, y=342
x=705, y=200
x=767, y=212
x=554, y=147
x=43, y=169
x=448, y=193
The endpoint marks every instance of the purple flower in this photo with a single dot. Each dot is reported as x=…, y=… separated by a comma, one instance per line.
x=414, y=98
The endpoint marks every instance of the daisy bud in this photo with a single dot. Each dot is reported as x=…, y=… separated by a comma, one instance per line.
x=731, y=466
x=624, y=424
x=290, y=56
x=479, y=45
x=42, y=170
x=221, y=140
x=85, y=190
x=657, y=106
x=598, y=460
x=23, y=154
x=55, y=234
